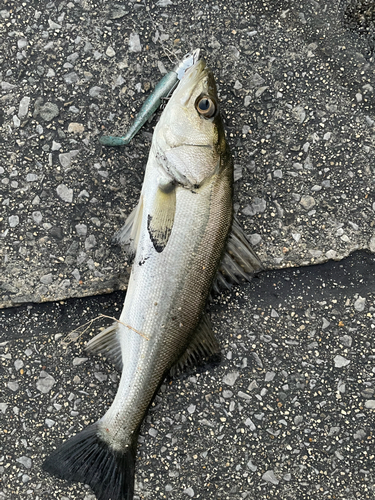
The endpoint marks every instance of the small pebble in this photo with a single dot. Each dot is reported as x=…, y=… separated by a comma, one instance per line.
x=90, y=242
x=79, y=361
x=191, y=409
x=23, y=107
x=32, y=177
x=269, y=376
x=45, y=382
x=269, y=476
x=37, y=217
x=25, y=461
x=325, y=324
x=95, y=92
x=13, y=386
x=307, y=202
x=65, y=193
x=247, y=101
x=18, y=364
x=53, y=25
x=3, y=407
x=76, y=128
x=46, y=279
x=189, y=492
x=65, y=159
x=71, y=78
x=251, y=466
x=110, y=52
x=81, y=229
x=255, y=239
x=243, y=395
x=230, y=378
x=359, y=304
x=49, y=111
x=249, y=423
x=134, y=43
x=76, y=274
x=100, y=376
x=340, y=361
x=346, y=340
x=256, y=80
x=13, y=220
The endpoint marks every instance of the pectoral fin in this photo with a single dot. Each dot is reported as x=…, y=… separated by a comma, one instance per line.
x=203, y=345
x=239, y=263
x=160, y=220
x=130, y=231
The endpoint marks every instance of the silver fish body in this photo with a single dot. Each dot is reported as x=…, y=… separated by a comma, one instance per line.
x=179, y=231
x=169, y=284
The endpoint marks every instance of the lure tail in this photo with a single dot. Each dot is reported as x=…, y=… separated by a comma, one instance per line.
x=88, y=459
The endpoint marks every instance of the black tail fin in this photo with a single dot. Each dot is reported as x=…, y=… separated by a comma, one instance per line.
x=88, y=459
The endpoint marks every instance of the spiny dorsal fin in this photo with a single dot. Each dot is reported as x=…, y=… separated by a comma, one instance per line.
x=160, y=220
x=202, y=345
x=239, y=263
x=107, y=343
x=130, y=231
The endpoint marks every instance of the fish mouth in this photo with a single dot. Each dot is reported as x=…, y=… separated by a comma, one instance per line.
x=197, y=68
x=187, y=61
x=192, y=78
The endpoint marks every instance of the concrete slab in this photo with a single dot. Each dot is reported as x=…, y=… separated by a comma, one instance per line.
x=296, y=87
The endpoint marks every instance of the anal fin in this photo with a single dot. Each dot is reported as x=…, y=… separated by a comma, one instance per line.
x=203, y=344
x=107, y=343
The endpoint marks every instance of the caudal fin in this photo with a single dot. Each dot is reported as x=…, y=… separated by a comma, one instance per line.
x=88, y=459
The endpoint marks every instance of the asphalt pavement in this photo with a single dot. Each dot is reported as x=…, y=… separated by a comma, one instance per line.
x=288, y=411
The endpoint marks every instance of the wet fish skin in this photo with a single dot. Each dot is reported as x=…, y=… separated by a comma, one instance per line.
x=178, y=230
x=185, y=213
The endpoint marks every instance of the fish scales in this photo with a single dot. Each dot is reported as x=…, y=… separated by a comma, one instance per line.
x=178, y=231
x=162, y=279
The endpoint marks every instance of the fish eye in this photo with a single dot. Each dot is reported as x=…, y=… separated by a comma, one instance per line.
x=205, y=106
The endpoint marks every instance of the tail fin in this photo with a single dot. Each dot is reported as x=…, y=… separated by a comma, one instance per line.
x=88, y=459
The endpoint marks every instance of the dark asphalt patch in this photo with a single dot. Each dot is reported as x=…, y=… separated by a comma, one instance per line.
x=288, y=413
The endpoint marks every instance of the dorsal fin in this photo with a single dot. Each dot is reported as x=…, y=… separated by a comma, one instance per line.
x=239, y=262
x=107, y=343
x=202, y=345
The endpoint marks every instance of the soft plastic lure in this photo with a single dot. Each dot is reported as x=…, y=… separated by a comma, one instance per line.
x=151, y=104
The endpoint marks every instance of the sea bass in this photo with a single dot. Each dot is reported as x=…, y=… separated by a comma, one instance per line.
x=183, y=235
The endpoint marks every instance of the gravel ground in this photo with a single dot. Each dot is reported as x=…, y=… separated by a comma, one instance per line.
x=288, y=412
x=296, y=85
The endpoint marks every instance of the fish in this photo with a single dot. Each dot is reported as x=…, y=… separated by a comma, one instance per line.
x=161, y=91
x=186, y=243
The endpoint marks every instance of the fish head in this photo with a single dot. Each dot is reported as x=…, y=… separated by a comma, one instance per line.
x=189, y=140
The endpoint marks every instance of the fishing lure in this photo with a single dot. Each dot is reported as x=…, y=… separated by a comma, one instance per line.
x=154, y=100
